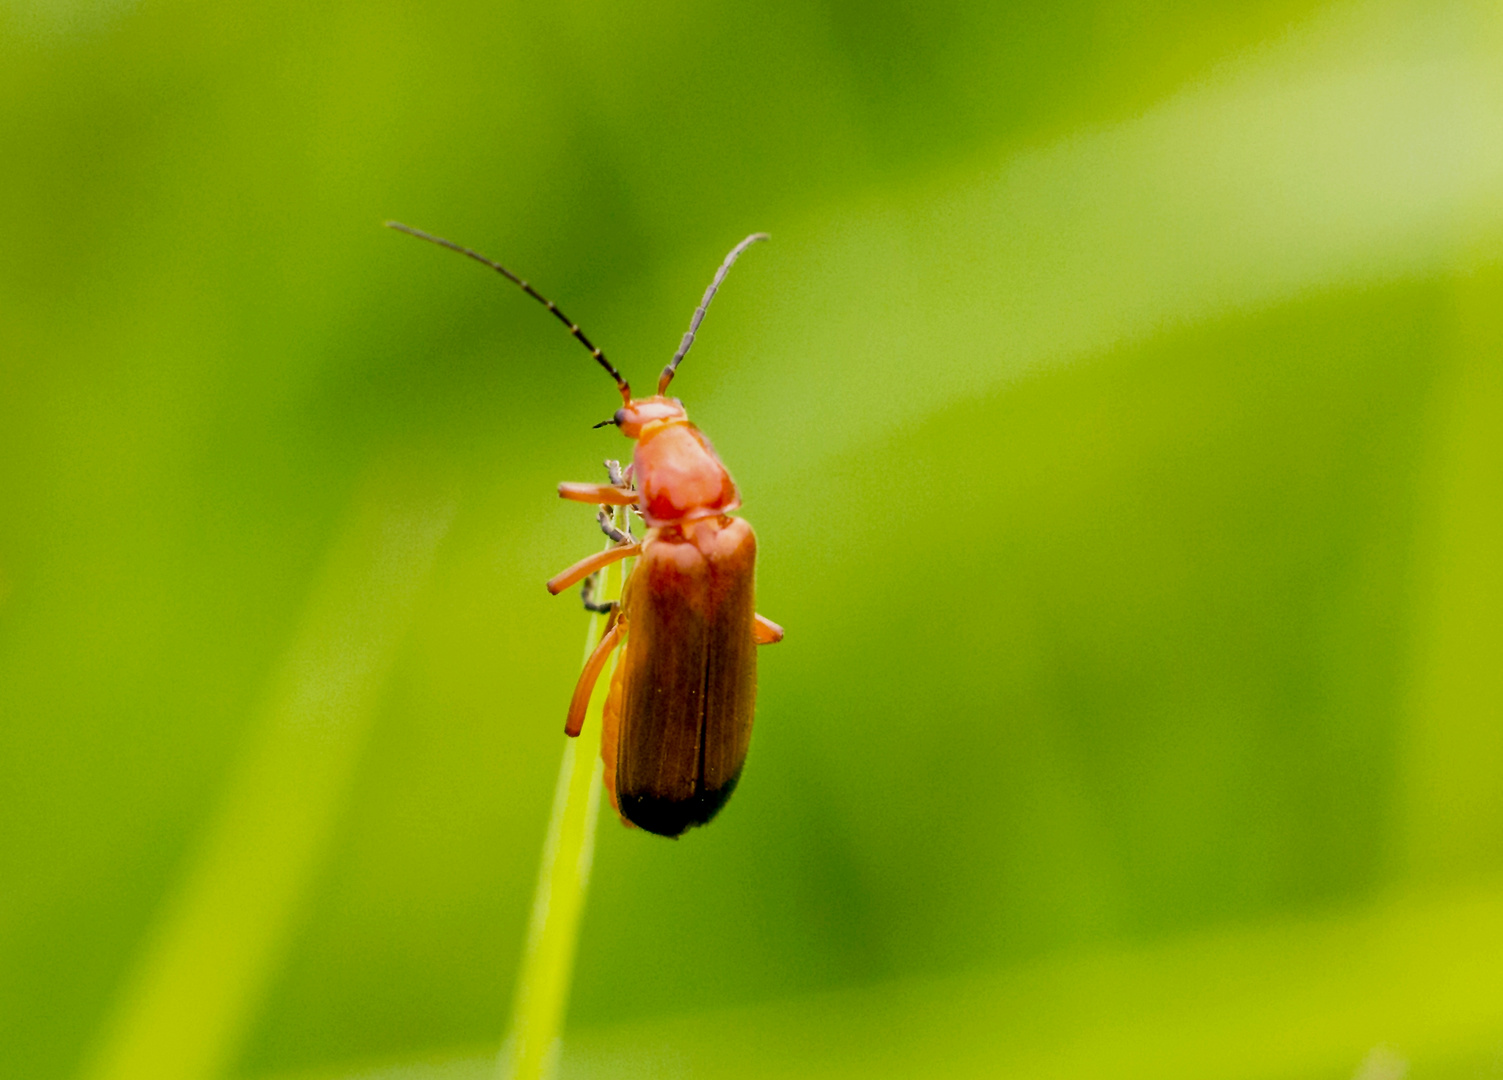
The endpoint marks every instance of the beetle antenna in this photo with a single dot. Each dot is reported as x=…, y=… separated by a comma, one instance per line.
x=704, y=305
x=621, y=384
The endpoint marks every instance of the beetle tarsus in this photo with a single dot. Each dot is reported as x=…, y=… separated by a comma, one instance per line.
x=587, y=595
x=608, y=526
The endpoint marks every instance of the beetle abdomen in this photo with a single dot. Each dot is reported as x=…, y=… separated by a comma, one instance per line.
x=687, y=677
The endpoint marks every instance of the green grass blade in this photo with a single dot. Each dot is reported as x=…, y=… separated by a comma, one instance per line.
x=542, y=995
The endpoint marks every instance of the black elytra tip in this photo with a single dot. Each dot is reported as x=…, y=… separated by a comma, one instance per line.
x=672, y=818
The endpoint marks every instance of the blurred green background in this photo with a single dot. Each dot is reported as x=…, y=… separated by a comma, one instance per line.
x=1120, y=408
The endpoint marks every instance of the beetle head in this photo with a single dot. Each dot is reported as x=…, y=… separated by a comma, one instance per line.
x=631, y=418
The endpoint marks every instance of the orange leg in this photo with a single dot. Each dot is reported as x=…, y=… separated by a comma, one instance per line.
x=587, y=566
x=766, y=632
x=587, y=678
x=602, y=494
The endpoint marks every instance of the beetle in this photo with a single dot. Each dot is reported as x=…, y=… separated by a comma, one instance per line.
x=678, y=715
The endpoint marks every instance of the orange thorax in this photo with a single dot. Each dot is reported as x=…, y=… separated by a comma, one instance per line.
x=678, y=474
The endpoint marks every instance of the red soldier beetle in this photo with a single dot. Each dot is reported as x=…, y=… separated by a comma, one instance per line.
x=678, y=715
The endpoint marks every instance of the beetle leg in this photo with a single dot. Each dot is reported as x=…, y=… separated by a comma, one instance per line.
x=607, y=494
x=589, y=676
x=608, y=527
x=588, y=565
x=587, y=594
x=613, y=470
x=766, y=632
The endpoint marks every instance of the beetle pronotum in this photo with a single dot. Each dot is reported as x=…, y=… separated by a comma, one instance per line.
x=678, y=716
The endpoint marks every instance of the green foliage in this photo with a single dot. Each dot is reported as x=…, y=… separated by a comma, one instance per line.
x=1119, y=407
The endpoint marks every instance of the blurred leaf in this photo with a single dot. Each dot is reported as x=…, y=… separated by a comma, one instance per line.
x=1414, y=981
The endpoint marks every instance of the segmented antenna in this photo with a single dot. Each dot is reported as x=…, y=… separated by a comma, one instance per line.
x=704, y=305
x=621, y=384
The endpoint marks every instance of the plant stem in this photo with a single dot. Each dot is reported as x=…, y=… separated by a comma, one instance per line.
x=542, y=996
